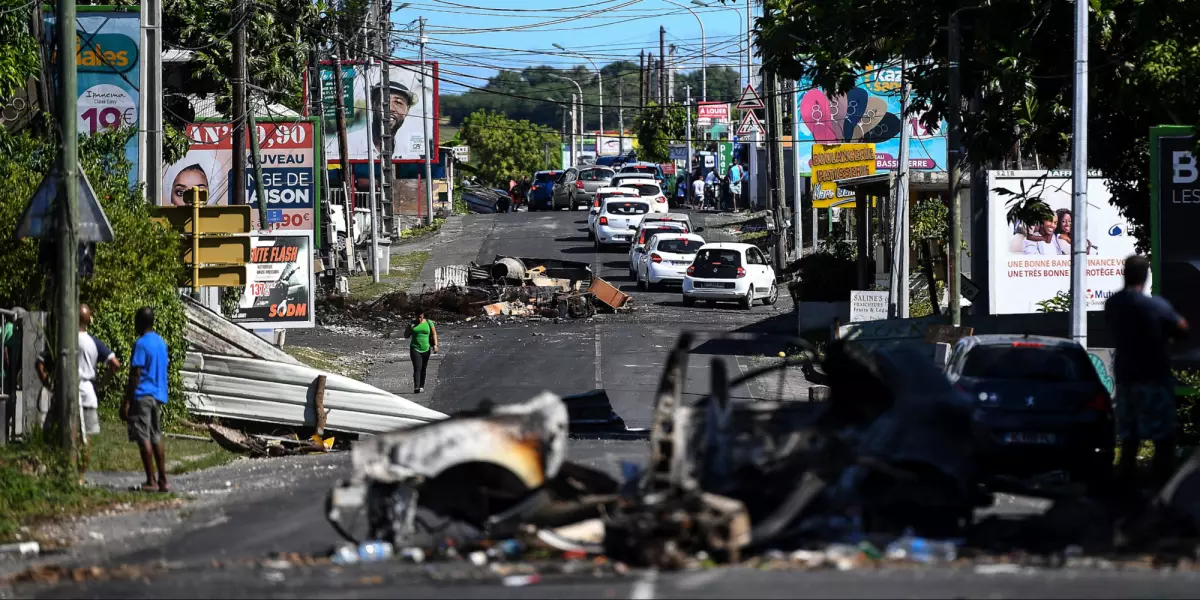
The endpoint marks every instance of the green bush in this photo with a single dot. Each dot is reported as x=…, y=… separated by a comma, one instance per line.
x=139, y=268
x=1189, y=408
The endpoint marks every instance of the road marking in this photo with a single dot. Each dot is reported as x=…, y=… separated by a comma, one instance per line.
x=596, y=335
x=700, y=579
x=643, y=589
x=748, y=384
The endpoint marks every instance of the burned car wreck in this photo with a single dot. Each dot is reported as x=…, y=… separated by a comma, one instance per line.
x=890, y=454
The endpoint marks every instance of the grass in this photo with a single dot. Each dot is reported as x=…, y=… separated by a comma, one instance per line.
x=422, y=229
x=111, y=450
x=325, y=361
x=404, y=270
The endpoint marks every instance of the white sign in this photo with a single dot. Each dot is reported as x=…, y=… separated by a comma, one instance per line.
x=750, y=99
x=416, y=145
x=1028, y=264
x=750, y=125
x=678, y=152
x=462, y=153
x=868, y=306
x=710, y=161
x=279, y=292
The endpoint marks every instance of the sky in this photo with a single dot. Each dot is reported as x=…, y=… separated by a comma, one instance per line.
x=522, y=33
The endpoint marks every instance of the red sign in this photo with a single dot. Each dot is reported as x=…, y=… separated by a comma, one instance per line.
x=667, y=168
x=712, y=111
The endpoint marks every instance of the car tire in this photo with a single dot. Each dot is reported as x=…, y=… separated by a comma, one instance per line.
x=689, y=301
x=746, y=301
x=772, y=296
x=653, y=287
x=591, y=235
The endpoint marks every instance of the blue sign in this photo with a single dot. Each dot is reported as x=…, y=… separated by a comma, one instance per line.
x=286, y=187
x=869, y=113
x=274, y=216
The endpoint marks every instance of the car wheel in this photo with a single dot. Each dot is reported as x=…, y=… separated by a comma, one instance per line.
x=746, y=301
x=653, y=287
x=772, y=297
x=689, y=301
x=591, y=235
x=641, y=285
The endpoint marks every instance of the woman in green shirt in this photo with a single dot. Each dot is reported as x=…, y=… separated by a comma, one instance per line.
x=423, y=336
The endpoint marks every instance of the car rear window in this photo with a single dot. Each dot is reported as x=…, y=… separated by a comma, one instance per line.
x=681, y=224
x=627, y=208
x=546, y=177
x=644, y=189
x=596, y=174
x=650, y=170
x=720, y=258
x=603, y=195
x=679, y=246
x=1028, y=362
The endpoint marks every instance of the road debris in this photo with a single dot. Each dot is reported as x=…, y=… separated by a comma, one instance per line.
x=266, y=445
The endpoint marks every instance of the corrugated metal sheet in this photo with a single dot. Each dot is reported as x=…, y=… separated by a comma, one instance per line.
x=271, y=392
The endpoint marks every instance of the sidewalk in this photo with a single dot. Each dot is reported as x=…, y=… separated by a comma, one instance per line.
x=456, y=243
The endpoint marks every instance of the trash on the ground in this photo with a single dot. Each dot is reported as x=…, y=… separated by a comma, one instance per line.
x=23, y=549
x=266, y=445
x=608, y=294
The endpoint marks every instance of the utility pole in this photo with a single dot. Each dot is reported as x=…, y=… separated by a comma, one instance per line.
x=318, y=108
x=574, y=125
x=662, y=53
x=621, y=119
x=259, y=193
x=343, y=149
x=1079, y=180
x=955, y=167
x=797, y=181
x=688, y=107
x=898, y=303
x=371, y=201
x=426, y=117
x=649, y=94
x=385, y=116
x=66, y=372
x=775, y=154
x=642, y=79
x=237, y=191
x=149, y=167
x=671, y=76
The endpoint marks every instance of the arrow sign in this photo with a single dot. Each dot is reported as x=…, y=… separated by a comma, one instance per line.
x=750, y=125
x=750, y=100
x=37, y=219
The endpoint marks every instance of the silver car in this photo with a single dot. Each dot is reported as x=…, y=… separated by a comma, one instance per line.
x=577, y=187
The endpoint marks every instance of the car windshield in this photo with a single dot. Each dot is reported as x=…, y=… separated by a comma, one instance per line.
x=1030, y=362
x=679, y=246
x=720, y=258
x=597, y=174
x=545, y=177
x=627, y=208
x=644, y=189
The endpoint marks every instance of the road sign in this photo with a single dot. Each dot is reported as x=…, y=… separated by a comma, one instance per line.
x=750, y=125
x=750, y=100
x=214, y=244
x=462, y=153
x=676, y=152
x=36, y=221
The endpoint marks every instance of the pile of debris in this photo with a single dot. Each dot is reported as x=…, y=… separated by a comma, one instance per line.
x=885, y=470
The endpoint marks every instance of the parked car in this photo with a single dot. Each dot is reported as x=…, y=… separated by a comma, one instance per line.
x=637, y=247
x=676, y=217
x=729, y=271
x=577, y=186
x=645, y=167
x=618, y=220
x=667, y=257
x=542, y=194
x=652, y=192
x=1040, y=405
x=603, y=194
x=620, y=177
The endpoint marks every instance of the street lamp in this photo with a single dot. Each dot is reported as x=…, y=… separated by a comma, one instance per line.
x=573, y=125
x=703, y=4
x=599, y=81
x=703, y=47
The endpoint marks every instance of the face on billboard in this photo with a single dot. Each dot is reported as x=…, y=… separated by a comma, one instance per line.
x=364, y=93
x=187, y=178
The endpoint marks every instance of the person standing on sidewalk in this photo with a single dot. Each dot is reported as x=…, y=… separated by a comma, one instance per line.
x=1144, y=405
x=91, y=352
x=146, y=392
x=423, y=336
x=736, y=174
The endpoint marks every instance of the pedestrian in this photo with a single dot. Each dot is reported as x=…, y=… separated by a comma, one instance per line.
x=736, y=174
x=146, y=393
x=423, y=335
x=698, y=192
x=1142, y=327
x=681, y=190
x=92, y=352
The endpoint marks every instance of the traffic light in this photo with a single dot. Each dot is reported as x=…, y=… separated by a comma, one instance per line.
x=215, y=241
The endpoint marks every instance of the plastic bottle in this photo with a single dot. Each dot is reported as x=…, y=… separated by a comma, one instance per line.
x=345, y=554
x=922, y=550
x=374, y=551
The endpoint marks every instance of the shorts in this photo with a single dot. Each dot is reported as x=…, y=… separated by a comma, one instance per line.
x=1145, y=411
x=91, y=420
x=144, y=423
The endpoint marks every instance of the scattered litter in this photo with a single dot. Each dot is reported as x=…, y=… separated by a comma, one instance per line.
x=520, y=580
x=24, y=549
x=1001, y=569
x=478, y=558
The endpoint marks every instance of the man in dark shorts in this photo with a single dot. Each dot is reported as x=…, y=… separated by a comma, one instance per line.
x=146, y=392
x=1142, y=326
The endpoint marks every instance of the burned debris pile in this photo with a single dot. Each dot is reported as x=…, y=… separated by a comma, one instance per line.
x=884, y=470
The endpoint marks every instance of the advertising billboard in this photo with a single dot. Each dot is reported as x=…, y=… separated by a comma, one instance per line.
x=362, y=91
x=288, y=153
x=869, y=113
x=108, y=70
x=1031, y=263
x=1174, y=202
x=279, y=284
x=831, y=162
x=708, y=113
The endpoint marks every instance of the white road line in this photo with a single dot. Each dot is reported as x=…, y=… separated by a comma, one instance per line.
x=596, y=334
x=701, y=579
x=749, y=384
x=643, y=589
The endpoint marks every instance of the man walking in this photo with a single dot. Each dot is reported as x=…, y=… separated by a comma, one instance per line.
x=92, y=352
x=1144, y=405
x=147, y=390
x=736, y=173
x=698, y=192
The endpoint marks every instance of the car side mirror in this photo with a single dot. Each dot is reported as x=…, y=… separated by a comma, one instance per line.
x=699, y=229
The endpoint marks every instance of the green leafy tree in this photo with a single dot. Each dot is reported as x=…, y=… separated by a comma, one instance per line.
x=502, y=148
x=18, y=50
x=1017, y=65
x=657, y=127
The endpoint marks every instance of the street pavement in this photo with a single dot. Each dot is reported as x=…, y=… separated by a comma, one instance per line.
x=277, y=506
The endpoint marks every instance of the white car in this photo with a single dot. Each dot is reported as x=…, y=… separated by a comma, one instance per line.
x=649, y=227
x=602, y=194
x=618, y=220
x=730, y=272
x=650, y=191
x=667, y=259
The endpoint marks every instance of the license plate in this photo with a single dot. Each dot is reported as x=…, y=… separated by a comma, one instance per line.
x=620, y=237
x=680, y=262
x=1025, y=437
x=709, y=284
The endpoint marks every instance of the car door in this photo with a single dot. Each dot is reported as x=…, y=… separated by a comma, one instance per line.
x=759, y=274
x=564, y=185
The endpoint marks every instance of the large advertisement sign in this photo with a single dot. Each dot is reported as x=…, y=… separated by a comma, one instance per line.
x=362, y=91
x=708, y=113
x=279, y=289
x=1031, y=263
x=108, y=70
x=1175, y=207
x=869, y=113
x=831, y=162
x=288, y=154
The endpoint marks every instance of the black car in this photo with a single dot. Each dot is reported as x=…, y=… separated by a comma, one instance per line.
x=1039, y=405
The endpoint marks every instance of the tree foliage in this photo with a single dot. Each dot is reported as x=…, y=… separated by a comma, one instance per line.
x=502, y=148
x=657, y=127
x=1017, y=66
x=18, y=50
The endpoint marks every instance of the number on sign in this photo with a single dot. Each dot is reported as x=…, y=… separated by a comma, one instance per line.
x=109, y=118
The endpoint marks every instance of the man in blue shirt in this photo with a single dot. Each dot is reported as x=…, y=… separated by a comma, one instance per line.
x=736, y=174
x=1144, y=405
x=147, y=390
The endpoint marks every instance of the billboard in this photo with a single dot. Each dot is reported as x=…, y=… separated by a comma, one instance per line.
x=108, y=68
x=831, y=162
x=1032, y=263
x=708, y=113
x=288, y=153
x=1174, y=199
x=362, y=91
x=869, y=113
x=279, y=283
